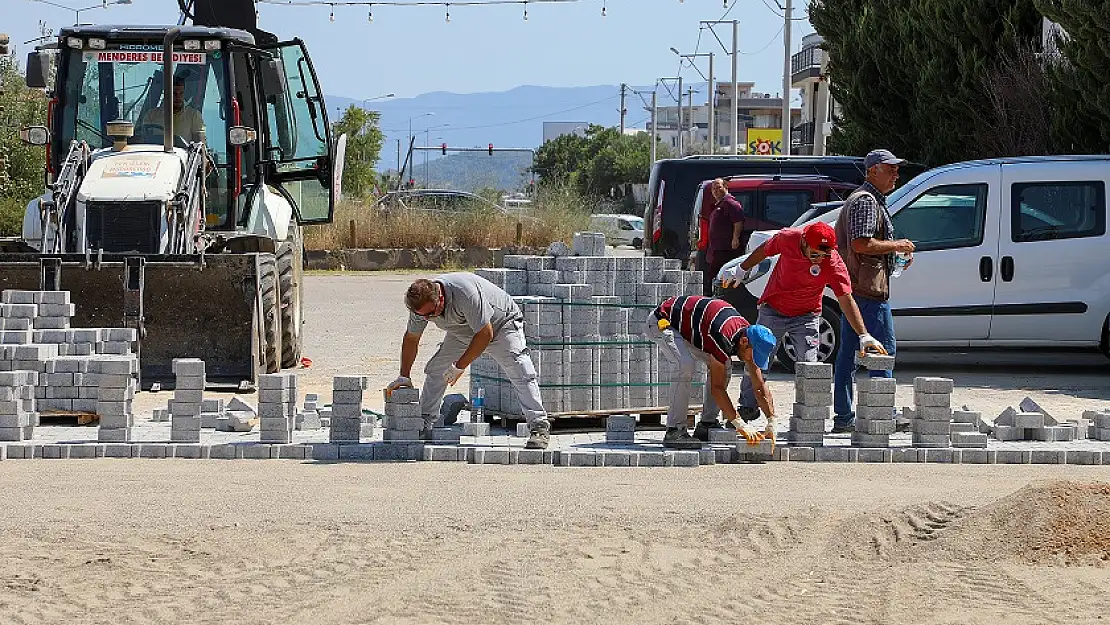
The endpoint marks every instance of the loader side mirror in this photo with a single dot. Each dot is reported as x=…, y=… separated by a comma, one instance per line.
x=241, y=135
x=39, y=64
x=35, y=135
x=273, y=78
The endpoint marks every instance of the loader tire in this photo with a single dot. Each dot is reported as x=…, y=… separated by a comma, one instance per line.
x=271, y=313
x=290, y=268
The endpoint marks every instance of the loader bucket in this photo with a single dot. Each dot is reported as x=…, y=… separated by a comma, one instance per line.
x=190, y=309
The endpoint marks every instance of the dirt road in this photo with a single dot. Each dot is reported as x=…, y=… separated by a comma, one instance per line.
x=119, y=542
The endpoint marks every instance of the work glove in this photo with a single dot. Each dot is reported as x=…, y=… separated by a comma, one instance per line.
x=735, y=276
x=452, y=375
x=752, y=438
x=400, y=382
x=769, y=432
x=868, y=344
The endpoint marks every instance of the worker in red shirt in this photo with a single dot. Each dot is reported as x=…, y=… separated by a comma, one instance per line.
x=791, y=302
x=726, y=225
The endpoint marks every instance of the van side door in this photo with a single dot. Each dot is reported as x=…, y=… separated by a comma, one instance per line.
x=1053, y=278
x=946, y=296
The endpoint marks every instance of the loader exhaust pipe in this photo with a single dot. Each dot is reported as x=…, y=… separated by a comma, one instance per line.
x=167, y=89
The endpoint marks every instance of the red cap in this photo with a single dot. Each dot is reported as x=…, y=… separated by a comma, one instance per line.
x=819, y=235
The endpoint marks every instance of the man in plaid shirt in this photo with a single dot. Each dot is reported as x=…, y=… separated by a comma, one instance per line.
x=863, y=230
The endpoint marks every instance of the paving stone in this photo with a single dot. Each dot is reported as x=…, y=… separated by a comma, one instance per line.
x=1087, y=457
x=725, y=455
x=813, y=370
x=530, y=456
x=879, y=386
x=976, y=456
x=189, y=451
x=940, y=456
x=682, y=458
x=922, y=427
x=1028, y=420
x=806, y=440
x=907, y=455
x=1047, y=456
x=1012, y=456
x=809, y=398
x=807, y=385
x=620, y=423
x=835, y=454
x=117, y=450
x=933, y=385
x=650, y=459
x=707, y=457
x=440, y=453
x=446, y=435
x=873, y=455
x=615, y=459
x=931, y=400
x=969, y=439
x=484, y=455
x=475, y=429
x=154, y=450
x=873, y=362
x=358, y=452
x=225, y=451
x=883, y=427
x=327, y=452
x=802, y=454
x=822, y=413
x=863, y=439
x=876, y=400
x=121, y=435
x=86, y=451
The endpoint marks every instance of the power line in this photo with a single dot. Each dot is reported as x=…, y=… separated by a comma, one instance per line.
x=521, y=121
x=405, y=3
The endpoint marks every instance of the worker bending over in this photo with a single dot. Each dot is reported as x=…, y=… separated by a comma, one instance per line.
x=477, y=316
x=791, y=301
x=692, y=328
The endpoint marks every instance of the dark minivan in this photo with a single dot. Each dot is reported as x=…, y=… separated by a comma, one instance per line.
x=674, y=185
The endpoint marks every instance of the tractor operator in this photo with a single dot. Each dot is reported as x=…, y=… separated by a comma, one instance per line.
x=187, y=121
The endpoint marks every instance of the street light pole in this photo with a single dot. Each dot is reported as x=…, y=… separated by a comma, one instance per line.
x=654, y=123
x=786, y=130
x=711, y=104
x=77, y=11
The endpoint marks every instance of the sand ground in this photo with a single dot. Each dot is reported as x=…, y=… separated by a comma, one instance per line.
x=277, y=542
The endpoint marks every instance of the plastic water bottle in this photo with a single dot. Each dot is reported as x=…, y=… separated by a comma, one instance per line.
x=478, y=406
x=900, y=262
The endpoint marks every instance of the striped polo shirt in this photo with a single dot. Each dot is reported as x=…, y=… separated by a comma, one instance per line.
x=709, y=324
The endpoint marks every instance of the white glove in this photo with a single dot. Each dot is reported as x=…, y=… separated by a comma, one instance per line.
x=868, y=344
x=401, y=381
x=735, y=276
x=452, y=375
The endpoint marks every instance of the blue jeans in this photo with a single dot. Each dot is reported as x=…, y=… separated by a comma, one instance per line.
x=880, y=324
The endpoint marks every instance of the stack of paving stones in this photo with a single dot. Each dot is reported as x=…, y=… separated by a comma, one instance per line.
x=1030, y=422
x=210, y=412
x=18, y=415
x=1099, y=424
x=620, y=430
x=812, y=403
x=968, y=429
x=309, y=416
x=347, y=423
x=932, y=422
x=583, y=316
x=874, y=412
x=188, y=400
x=402, y=422
x=589, y=244
x=277, y=407
x=116, y=384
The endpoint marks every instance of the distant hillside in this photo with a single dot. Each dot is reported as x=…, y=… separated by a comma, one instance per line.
x=473, y=171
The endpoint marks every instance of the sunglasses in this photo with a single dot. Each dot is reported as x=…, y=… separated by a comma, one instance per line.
x=820, y=251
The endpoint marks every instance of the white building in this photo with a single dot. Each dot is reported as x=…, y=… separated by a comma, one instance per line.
x=553, y=130
x=809, y=74
x=756, y=111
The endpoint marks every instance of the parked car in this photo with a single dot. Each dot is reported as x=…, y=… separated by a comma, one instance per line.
x=1010, y=253
x=435, y=200
x=674, y=184
x=619, y=229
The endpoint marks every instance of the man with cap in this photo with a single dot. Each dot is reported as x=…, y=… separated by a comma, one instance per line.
x=693, y=328
x=865, y=235
x=791, y=302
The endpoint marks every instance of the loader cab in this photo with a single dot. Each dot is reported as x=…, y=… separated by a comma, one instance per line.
x=221, y=80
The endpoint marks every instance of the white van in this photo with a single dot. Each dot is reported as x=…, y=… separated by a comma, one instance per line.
x=619, y=229
x=1010, y=253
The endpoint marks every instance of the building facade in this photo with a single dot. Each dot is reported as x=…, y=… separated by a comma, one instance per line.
x=809, y=74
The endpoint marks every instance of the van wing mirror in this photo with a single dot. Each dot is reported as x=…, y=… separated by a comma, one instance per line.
x=39, y=64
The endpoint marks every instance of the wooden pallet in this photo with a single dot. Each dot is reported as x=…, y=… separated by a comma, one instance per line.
x=81, y=418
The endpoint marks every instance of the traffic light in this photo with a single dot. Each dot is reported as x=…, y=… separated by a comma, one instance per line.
x=4, y=40
x=491, y=149
x=443, y=148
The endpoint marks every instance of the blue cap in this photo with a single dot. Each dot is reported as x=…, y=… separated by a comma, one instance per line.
x=883, y=157
x=762, y=341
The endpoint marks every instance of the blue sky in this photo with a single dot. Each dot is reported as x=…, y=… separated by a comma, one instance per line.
x=412, y=50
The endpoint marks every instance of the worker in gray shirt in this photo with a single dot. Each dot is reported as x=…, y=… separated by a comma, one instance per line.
x=477, y=316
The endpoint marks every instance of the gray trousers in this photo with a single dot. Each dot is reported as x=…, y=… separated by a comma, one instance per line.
x=684, y=356
x=802, y=331
x=510, y=351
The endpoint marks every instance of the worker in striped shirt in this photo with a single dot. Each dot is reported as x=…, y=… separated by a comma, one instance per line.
x=692, y=328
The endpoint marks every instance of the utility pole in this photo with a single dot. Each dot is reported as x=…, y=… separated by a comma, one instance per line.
x=654, y=130
x=786, y=76
x=735, y=79
x=624, y=89
x=712, y=101
x=681, y=153
x=690, y=110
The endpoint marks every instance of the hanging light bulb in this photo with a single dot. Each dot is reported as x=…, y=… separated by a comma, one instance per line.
x=370, y=15
x=525, y=10
x=603, y=8
x=332, y=16
x=448, y=19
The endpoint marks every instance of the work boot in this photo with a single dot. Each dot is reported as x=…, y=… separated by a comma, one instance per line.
x=701, y=430
x=539, y=435
x=748, y=413
x=679, y=438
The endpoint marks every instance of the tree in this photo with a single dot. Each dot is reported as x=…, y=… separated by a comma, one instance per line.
x=912, y=76
x=364, y=147
x=21, y=166
x=597, y=162
x=1080, y=93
